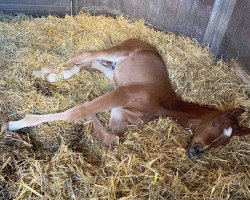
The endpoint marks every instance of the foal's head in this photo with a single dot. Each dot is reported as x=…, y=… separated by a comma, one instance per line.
x=215, y=130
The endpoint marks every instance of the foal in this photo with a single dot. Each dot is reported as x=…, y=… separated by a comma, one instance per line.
x=142, y=92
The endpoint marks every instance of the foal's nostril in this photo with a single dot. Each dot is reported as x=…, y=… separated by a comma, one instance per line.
x=195, y=151
x=197, y=148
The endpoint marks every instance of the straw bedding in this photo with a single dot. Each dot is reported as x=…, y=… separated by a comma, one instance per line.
x=63, y=160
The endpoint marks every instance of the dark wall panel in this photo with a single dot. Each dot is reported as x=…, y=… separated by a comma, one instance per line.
x=202, y=17
x=36, y=7
x=236, y=41
x=182, y=15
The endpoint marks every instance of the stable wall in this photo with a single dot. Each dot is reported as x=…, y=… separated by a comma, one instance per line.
x=223, y=24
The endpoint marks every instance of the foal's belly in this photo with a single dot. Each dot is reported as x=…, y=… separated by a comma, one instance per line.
x=142, y=67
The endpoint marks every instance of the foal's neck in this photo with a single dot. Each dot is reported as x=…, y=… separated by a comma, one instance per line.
x=184, y=112
x=193, y=108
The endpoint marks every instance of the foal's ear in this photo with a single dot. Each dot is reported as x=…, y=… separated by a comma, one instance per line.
x=195, y=122
x=236, y=112
x=240, y=131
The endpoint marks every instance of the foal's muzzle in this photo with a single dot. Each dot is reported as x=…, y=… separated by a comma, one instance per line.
x=195, y=151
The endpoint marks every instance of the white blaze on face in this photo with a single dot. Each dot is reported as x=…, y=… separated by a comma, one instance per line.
x=228, y=131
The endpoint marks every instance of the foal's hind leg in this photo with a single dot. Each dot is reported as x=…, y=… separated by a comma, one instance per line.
x=82, y=61
x=51, y=76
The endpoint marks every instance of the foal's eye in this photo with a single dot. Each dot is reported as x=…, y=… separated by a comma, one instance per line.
x=214, y=124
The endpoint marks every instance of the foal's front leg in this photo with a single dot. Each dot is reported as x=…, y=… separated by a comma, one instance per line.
x=116, y=98
x=106, y=138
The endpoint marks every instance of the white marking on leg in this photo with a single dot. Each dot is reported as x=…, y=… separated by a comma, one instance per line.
x=52, y=77
x=15, y=125
x=116, y=113
x=34, y=120
x=66, y=74
x=63, y=75
x=117, y=122
x=228, y=132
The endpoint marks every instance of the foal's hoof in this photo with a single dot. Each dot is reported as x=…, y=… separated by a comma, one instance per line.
x=110, y=140
x=42, y=72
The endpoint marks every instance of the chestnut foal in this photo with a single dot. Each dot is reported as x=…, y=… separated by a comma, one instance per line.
x=142, y=92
